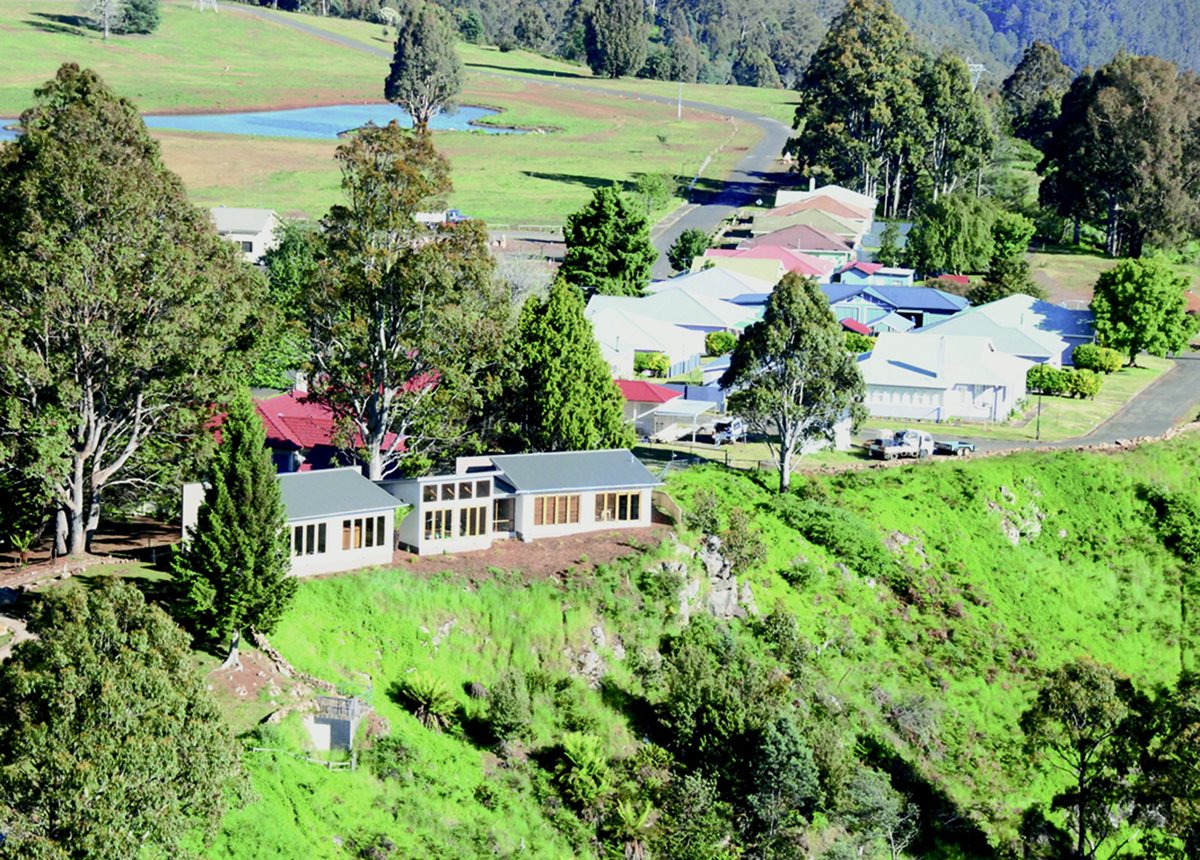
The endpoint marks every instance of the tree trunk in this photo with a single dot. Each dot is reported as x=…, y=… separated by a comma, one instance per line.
x=233, y=660
x=60, y=532
x=1075, y=237
x=375, y=462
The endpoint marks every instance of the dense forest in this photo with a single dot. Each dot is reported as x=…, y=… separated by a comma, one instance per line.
x=724, y=39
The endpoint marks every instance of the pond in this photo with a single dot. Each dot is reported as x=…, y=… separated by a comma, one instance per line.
x=319, y=123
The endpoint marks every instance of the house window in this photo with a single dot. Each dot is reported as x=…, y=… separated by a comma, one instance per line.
x=619, y=507
x=248, y=247
x=429, y=493
x=359, y=533
x=465, y=489
x=447, y=492
x=439, y=525
x=483, y=489
x=555, y=510
x=308, y=540
x=380, y=531
x=472, y=521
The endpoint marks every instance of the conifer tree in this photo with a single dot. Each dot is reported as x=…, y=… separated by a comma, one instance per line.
x=616, y=38
x=426, y=74
x=566, y=399
x=234, y=570
x=608, y=247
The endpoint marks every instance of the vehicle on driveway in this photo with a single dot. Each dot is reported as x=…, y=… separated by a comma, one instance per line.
x=953, y=447
x=916, y=444
x=729, y=430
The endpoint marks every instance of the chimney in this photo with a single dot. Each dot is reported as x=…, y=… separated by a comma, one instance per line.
x=300, y=384
x=812, y=184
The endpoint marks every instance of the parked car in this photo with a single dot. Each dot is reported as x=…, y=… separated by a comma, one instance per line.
x=903, y=443
x=729, y=430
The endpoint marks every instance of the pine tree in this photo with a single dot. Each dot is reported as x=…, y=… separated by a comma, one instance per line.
x=141, y=16
x=234, y=570
x=566, y=399
x=608, y=247
x=616, y=38
x=426, y=74
x=889, y=253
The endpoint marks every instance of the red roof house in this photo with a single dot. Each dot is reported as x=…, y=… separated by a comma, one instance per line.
x=792, y=260
x=801, y=237
x=300, y=433
x=854, y=325
x=823, y=203
x=639, y=391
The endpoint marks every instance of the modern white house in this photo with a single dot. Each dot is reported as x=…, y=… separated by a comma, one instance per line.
x=622, y=334
x=681, y=308
x=523, y=496
x=253, y=230
x=337, y=519
x=1023, y=326
x=938, y=377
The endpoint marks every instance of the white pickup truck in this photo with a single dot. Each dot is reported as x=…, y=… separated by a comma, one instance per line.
x=903, y=443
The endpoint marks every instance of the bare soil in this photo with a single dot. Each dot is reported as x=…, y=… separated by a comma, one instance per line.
x=138, y=539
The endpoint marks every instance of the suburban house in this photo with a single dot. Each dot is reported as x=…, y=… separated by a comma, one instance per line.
x=873, y=275
x=337, y=519
x=939, y=377
x=871, y=305
x=1023, y=326
x=755, y=267
x=810, y=240
x=622, y=334
x=715, y=283
x=251, y=229
x=790, y=259
x=854, y=199
x=525, y=496
x=849, y=232
x=661, y=413
x=679, y=307
x=862, y=216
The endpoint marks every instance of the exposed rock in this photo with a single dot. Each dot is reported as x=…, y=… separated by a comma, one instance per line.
x=723, y=599
x=746, y=599
x=443, y=631
x=687, y=597
x=598, y=637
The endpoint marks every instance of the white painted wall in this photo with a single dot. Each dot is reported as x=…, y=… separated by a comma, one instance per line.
x=523, y=517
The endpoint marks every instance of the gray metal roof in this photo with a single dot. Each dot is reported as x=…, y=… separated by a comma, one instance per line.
x=235, y=219
x=572, y=471
x=332, y=493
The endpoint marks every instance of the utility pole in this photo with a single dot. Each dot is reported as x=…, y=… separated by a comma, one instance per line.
x=1038, y=431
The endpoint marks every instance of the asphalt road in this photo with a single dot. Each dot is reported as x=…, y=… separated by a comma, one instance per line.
x=754, y=177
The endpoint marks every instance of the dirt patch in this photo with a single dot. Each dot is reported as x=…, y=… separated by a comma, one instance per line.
x=139, y=538
x=546, y=558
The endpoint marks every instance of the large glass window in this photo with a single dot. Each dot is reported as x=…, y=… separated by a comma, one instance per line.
x=308, y=539
x=555, y=510
x=439, y=525
x=618, y=507
x=472, y=521
x=429, y=492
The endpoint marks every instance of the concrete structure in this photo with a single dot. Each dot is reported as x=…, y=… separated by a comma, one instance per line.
x=253, y=230
x=335, y=723
x=525, y=496
x=337, y=520
x=1023, y=326
x=934, y=378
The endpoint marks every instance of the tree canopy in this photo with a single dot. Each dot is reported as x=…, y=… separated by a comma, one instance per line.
x=1033, y=92
x=426, y=74
x=234, y=569
x=122, y=314
x=1141, y=306
x=790, y=375
x=615, y=38
x=953, y=235
x=407, y=323
x=110, y=745
x=608, y=246
x=692, y=243
x=563, y=397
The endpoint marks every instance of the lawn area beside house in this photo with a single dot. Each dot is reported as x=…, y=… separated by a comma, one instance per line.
x=1068, y=274
x=1062, y=417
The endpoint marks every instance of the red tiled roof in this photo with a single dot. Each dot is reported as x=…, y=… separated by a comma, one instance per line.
x=865, y=268
x=802, y=237
x=290, y=419
x=792, y=260
x=961, y=280
x=637, y=391
x=822, y=203
x=855, y=325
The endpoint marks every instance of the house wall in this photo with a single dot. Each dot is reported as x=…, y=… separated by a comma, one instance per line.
x=336, y=558
x=259, y=243
x=971, y=402
x=437, y=525
x=525, y=508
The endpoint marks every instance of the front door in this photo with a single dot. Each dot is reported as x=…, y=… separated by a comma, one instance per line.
x=502, y=516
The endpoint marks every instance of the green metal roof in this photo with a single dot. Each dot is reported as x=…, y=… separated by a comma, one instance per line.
x=331, y=493
x=573, y=471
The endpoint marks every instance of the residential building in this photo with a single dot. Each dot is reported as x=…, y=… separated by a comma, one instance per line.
x=622, y=334
x=661, y=413
x=1023, y=326
x=642, y=400
x=810, y=240
x=679, y=307
x=850, y=232
x=871, y=305
x=790, y=259
x=253, y=230
x=760, y=268
x=337, y=519
x=938, y=377
x=715, y=284
x=863, y=216
x=854, y=199
x=523, y=496
x=873, y=275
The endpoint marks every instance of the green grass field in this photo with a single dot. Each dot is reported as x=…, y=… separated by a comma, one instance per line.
x=231, y=60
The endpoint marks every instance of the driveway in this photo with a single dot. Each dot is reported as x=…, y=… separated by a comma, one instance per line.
x=755, y=176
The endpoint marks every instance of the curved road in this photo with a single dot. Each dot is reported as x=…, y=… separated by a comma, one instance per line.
x=754, y=177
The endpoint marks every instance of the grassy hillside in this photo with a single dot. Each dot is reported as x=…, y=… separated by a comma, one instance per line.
x=926, y=652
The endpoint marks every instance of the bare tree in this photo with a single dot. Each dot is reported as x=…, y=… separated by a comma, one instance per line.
x=104, y=13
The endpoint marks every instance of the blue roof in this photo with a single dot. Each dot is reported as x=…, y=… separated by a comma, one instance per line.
x=918, y=299
x=837, y=292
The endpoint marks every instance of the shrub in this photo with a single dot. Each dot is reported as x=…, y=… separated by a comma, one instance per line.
x=427, y=698
x=583, y=773
x=388, y=758
x=509, y=715
x=741, y=544
x=705, y=516
x=652, y=363
x=1083, y=383
x=720, y=342
x=1047, y=380
x=1101, y=359
x=858, y=343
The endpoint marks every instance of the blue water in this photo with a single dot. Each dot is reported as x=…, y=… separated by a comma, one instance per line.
x=321, y=123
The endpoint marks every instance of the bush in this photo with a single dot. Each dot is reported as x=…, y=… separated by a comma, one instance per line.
x=859, y=343
x=1046, y=379
x=1101, y=359
x=720, y=342
x=653, y=363
x=1083, y=383
x=705, y=516
x=847, y=537
x=583, y=773
x=427, y=698
x=509, y=715
x=742, y=545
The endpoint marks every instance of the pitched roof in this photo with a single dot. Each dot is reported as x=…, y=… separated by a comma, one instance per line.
x=1019, y=325
x=860, y=266
x=638, y=391
x=233, y=219
x=839, y=192
x=918, y=298
x=713, y=283
x=618, y=329
x=854, y=325
x=824, y=203
x=961, y=280
x=573, y=471
x=802, y=237
x=331, y=493
x=678, y=307
x=894, y=322
x=939, y=361
x=291, y=420
x=792, y=260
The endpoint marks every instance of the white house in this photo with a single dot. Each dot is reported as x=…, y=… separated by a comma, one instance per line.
x=622, y=334
x=718, y=284
x=937, y=377
x=853, y=199
x=337, y=519
x=251, y=229
x=525, y=496
x=1023, y=326
x=681, y=308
